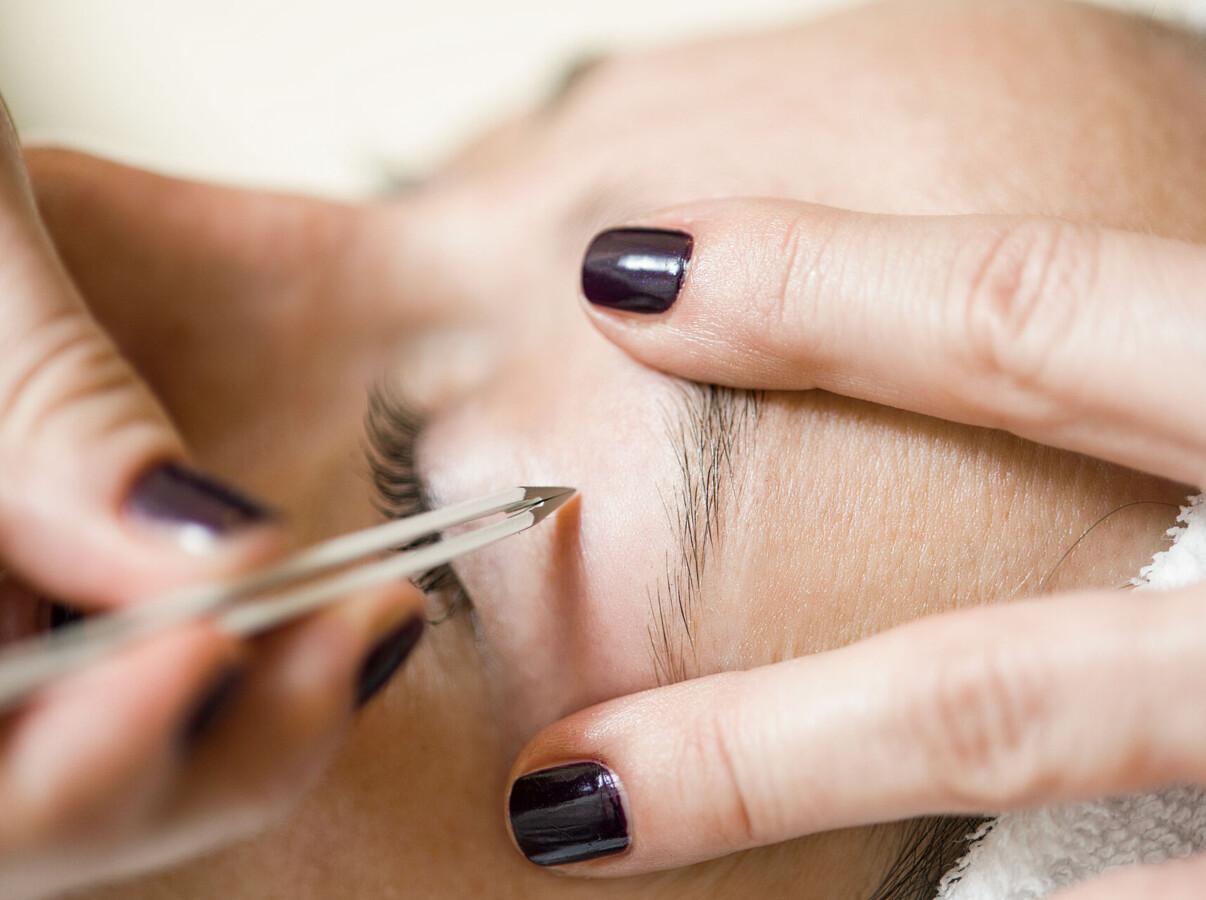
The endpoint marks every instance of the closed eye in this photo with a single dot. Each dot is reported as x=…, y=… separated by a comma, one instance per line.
x=393, y=428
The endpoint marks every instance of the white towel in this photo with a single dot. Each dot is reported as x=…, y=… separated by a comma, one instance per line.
x=1033, y=853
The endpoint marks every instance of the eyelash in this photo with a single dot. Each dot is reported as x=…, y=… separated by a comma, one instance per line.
x=393, y=428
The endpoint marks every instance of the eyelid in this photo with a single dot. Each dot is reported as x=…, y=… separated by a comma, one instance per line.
x=394, y=427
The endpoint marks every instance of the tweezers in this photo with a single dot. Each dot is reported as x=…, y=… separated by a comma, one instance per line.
x=307, y=581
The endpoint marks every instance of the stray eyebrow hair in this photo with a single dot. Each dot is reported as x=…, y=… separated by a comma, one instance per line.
x=707, y=428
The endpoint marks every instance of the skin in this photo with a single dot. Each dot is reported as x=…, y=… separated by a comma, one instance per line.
x=97, y=509
x=280, y=310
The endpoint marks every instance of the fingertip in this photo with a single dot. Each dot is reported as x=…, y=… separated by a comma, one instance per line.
x=568, y=814
x=386, y=657
x=299, y=692
x=635, y=270
x=633, y=283
x=195, y=511
x=696, y=290
x=334, y=662
x=165, y=525
x=567, y=807
x=98, y=509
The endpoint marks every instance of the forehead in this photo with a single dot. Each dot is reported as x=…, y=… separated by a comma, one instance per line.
x=912, y=108
x=909, y=108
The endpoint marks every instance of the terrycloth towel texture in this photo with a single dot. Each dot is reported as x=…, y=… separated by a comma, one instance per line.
x=1031, y=854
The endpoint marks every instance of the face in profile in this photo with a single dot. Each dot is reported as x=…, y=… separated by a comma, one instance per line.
x=714, y=530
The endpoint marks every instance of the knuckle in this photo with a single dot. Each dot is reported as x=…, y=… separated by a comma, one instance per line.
x=737, y=815
x=790, y=291
x=983, y=722
x=60, y=362
x=1017, y=299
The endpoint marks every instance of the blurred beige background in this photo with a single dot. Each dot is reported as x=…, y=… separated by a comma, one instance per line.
x=323, y=95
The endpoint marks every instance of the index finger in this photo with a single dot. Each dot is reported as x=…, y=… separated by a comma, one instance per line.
x=970, y=712
x=1082, y=338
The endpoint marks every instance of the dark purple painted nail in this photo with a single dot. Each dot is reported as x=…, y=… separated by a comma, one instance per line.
x=210, y=707
x=386, y=658
x=193, y=505
x=568, y=814
x=638, y=270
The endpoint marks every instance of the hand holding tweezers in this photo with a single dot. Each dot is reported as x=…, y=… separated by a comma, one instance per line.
x=294, y=587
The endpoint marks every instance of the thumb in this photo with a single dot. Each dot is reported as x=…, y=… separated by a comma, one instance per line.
x=95, y=503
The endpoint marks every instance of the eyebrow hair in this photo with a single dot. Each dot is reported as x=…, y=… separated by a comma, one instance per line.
x=708, y=426
x=929, y=848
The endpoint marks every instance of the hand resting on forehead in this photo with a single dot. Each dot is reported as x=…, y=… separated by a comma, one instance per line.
x=716, y=530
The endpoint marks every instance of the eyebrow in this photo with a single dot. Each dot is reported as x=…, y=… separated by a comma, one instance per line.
x=707, y=426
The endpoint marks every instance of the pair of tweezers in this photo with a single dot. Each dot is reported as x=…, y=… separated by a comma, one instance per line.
x=299, y=585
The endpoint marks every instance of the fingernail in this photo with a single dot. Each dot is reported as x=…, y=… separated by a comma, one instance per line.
x=568, y=814
x=385, y=659
x=199, y=509
x=210, y=707
x=637, y=270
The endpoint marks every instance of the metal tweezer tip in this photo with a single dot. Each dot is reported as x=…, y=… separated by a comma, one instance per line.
x=548, y=498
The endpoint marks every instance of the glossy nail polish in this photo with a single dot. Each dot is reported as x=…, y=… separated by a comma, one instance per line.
x=210, y=707
x=568, y=814
x=638, y=270
x=197, y=508
x=385, y=659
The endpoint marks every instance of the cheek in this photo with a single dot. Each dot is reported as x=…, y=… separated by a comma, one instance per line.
x=564, y=609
